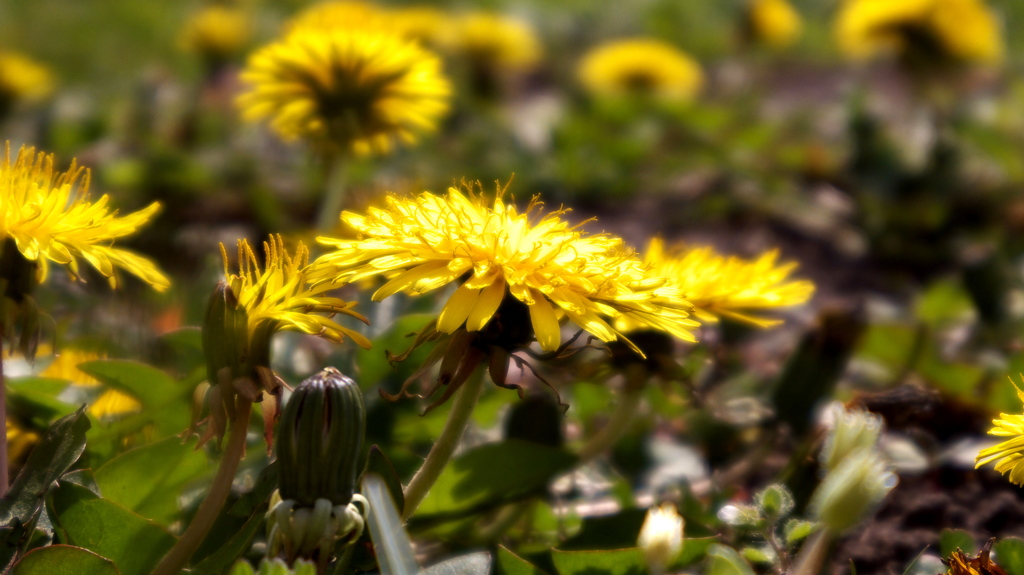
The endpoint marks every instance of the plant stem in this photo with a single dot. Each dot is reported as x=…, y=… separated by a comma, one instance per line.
x=5, y=465
x=209, y=509
x=621, y=418
x=334, y=195
x=444, y=447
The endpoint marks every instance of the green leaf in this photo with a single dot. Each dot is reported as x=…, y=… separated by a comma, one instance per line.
x=724, y=560
x=617, y=531
x=56, y=451
x=613, y=562
x=390, y=541
x=694, y=549
x=493, y=474
x=148, y=384
x=797, y=530
x=377, y=462
x=149, y=479
x=64, y=560
x=470, y=564
x=756, y=555
x=239, y=543
x=1010, y=552
x=36, y=398
x=104, y=527
x=511, y=564
x=952, y=539
x=775, y=501
x=373, y=363
x=241, y=567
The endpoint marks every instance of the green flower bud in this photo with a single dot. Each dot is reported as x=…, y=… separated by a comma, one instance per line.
x=320, y=439
x=225, y=337
x=852, y=490
x=851, y=430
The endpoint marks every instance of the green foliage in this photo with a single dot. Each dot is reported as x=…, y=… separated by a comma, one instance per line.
x=64, y=560
x=1010, y=554
x=952, y=539
x=613, y=562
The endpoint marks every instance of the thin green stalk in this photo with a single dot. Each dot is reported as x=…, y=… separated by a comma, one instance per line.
x=209, y=509
x=458, y=419
x=620, y=421
x=334, y=195
x=812, y=555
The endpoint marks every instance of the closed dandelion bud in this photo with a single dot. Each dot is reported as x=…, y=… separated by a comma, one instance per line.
x=852, y=490
x=225, y=336
x=851, y=430
x=320, y=439
x=661, y=537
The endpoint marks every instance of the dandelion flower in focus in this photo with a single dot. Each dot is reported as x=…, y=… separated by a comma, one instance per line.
x=931, y=30
x=518, y=275
x=495, y=41
x=359, y=90
x=216, y=33
x=1007, y=455
x=22, y=80
x=720, y=286
x=774, y=22
x=49, y=216
x=110, y=403
x=641, y=67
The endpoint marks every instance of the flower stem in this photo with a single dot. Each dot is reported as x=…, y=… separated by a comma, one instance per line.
x=209, y=509
x=334, y=195
x=813, y=554
x=444, y=447
x=621, y=418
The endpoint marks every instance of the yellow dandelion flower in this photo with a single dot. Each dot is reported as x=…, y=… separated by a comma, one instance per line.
x=362, y=90
x=280, y=298
x=425, y=24
x=640, y=67
x=50, y=217
x=495, y=41
x=19, y=441
x=964, y=30
x=110, y=403
x=774, y=22
x=720, y=286
x=496, y=254
x=1006, y=455
x=22, y=79
x=339, y=15
x=216, y=32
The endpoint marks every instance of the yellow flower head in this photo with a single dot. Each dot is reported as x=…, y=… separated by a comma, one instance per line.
x=19, y=441
x=339, y=15
x=50, y=217
x=720, y=286
x=495, y=41
x=356, y=89
x=216, y=32
x=959, y=30
x=22, y=79
x=640, y=67
x=1007, y=455
x=425, y=24
x=280, y=298
x=774, y=22
x=110, y=403
x=494, y=253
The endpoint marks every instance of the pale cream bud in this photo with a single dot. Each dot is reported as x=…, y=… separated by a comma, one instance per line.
x=661, y=537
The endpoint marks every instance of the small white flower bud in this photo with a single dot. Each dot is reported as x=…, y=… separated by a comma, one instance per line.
x=661, y=537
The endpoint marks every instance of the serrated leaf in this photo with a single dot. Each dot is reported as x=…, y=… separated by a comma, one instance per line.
x=611, y=562
x=489, y=475
x=148, y=480
x=133, y=543
x=64, y=560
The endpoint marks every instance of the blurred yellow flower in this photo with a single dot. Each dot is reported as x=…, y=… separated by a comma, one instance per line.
x=959, y=30
x=495, y=41
x=19, y=441
x=720, y=286
x=339, y=15
x=497, y=254
x=425, y=24
x=280, y=298
x=110, y=403
x=1006, y=455
x=22, y=79
x=216, y=32
x=359, y=90
x=774, y=22
x=49, y=217
x=640, y=67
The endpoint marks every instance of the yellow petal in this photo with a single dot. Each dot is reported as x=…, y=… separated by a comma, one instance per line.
x=457, y=309
x=490, y=299
x=545, y=323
